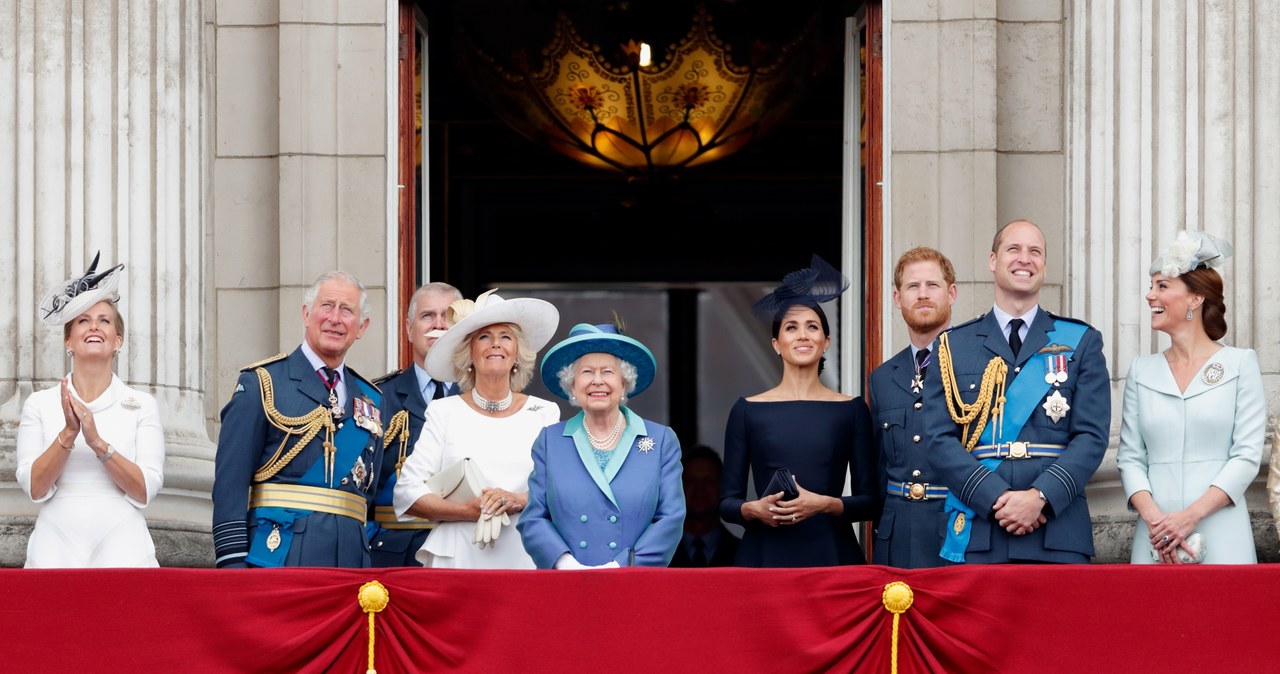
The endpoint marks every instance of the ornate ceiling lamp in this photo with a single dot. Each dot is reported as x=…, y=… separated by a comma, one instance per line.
x=698, y=103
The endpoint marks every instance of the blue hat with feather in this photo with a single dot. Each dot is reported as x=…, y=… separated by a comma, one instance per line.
x=607, y=338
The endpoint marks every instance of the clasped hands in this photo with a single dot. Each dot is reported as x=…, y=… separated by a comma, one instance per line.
x=1168, y=532
x=1019, y=512
x=774, y=511
x=79, y=420
x=494, y=505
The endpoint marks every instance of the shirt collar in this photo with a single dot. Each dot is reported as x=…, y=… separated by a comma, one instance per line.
x=317, y=362
x=1003, y=318
x=423, y=380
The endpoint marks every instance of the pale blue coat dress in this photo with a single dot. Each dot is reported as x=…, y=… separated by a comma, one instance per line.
x=1176, y=445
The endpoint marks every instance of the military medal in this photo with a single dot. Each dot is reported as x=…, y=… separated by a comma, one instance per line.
x=358, y=474
x=917, y=383
x=366, y=416
x=1055, y=369
x=334, y=408
x=1213, y=373
x=273, y=538
x=1056, y=407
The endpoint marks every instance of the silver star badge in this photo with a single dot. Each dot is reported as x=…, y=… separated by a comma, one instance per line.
x=1056, y=407
x=646, y=444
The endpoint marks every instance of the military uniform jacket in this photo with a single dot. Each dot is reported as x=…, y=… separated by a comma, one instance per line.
x=1068, y=534
x=248, y=440
x=909, y=533
x=397, y=547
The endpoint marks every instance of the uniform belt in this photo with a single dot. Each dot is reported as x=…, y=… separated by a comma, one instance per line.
x=300, y=497
x=917, y=491
x=385, y=516
x=1017, y=450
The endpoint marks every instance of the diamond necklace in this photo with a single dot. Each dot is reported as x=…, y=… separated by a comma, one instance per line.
x=492, y=406
x=610, y=441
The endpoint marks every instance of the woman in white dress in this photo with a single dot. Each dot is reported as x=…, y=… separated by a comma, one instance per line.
x=90, y=450
x=491, y=351
x=1194, y=419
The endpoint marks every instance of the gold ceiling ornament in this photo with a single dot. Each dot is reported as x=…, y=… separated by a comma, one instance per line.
x=698, y=103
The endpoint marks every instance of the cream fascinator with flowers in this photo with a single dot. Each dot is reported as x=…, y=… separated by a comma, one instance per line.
x=1191, y=250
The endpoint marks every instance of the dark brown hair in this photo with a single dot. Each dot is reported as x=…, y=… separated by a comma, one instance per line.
x=1207, y=283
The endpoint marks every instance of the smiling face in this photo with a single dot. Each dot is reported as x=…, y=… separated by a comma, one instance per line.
x=924, y=296
x=333, y=321
x=494, y=349
x=1018, y=263
x=94, y=333
x=801, y=339
x=1170, y=299
x=598, y=384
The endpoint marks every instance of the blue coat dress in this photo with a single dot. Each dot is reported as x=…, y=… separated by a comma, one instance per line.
x=1083, y=432
x=248, y=441
x=632, y=512
x=910, y=531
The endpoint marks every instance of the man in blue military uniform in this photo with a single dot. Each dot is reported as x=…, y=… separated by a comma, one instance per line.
x=405, y=396
x=909, y=533
x=300, y=444
x=1017, y=414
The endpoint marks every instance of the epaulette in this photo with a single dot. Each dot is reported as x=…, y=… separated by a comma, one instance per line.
x=388, y=376
x=1068, y=318
x=361, y=377
x=264, y=361
x=967, y=323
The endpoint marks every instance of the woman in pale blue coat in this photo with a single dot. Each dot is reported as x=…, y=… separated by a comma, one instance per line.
x=605, y=490
x=1194, y=418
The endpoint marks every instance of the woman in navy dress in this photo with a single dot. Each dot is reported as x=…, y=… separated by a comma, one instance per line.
x=820, y=435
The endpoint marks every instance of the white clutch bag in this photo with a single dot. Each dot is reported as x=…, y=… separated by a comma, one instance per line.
x=1195, y=541
x=459, y=483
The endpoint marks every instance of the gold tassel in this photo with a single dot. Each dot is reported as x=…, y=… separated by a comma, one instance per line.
x=897, y=598
x=373, y=598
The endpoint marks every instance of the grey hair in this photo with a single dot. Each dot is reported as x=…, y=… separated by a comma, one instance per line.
x=437, y=287
x=309, y=299
x=526, y=360
x=626, y=369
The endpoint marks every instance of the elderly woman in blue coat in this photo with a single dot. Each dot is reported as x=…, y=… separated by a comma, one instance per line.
x=605, y=490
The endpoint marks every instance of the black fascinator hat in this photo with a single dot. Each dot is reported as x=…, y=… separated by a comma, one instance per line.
x=818, y=283
x=76, y=294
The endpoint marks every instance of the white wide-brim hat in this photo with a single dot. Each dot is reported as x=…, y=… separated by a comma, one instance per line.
x=538, y=320
x=75, y=295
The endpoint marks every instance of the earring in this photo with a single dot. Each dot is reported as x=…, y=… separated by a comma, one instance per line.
x=69, y=354
x=777, y=353
x=1188, y=313
x=573, y=399
x=469, y=368
x=117, y=352
x=515, y=367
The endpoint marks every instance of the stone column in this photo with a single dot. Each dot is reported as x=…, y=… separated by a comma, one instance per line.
x=1174, y=118
x=101, y=150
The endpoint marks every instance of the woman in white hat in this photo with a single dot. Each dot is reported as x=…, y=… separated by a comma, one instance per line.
x=491, y=350
x=605, y=490
x=90, y=450
x=1194, y=419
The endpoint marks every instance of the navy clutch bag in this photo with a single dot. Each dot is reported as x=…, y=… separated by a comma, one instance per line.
x=782, y=481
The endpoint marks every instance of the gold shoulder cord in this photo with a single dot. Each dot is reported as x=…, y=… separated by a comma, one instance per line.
x=398, y=431
x=308, y=426
x=991, y=391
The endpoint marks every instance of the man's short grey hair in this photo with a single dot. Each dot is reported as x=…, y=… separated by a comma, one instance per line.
x=310, y=298
x=436, y=287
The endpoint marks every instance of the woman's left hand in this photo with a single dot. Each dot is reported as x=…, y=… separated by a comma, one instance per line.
x=1170, y=532
x=495, y=501
x=802, y=507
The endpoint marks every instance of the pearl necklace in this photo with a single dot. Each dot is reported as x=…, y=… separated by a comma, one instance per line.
x=492, y=406
x=610, y=441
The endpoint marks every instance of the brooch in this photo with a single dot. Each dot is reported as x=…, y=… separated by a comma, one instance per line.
x=131, y=403
x=646, y=444
x=1213, y=373
x=1056, y=407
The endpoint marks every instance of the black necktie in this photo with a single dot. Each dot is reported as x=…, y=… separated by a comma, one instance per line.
x=699, y=553
x=1015, y=339
x=922, y=361
x=440, y=391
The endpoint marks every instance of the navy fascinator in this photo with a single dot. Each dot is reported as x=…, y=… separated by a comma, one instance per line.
x=818, y=283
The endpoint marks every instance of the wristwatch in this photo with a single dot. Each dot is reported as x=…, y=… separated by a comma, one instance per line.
x=111, y=451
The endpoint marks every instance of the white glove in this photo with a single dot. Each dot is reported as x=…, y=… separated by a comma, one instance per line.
x=611, y=565
x=488, y=528
x=568, y=561
x=496, y=523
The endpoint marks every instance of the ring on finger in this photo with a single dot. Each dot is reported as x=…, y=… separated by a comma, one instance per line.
x=793, y=517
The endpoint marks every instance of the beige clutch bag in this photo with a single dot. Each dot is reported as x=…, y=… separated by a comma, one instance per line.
x=459, y=483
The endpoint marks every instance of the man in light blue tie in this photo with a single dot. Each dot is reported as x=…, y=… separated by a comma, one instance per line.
x=405, y=396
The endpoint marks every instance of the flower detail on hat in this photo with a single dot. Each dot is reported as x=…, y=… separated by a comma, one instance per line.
x=78, y=293
x=1191, y=250
x=460, y=309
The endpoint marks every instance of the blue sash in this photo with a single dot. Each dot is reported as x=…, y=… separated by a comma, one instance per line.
x=349, y=441
x=1021, y=399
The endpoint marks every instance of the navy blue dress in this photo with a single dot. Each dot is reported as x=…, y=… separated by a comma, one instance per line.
x=820, y=442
